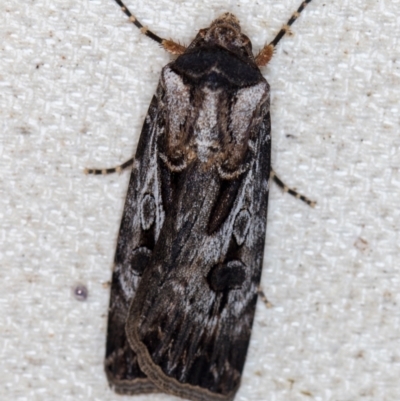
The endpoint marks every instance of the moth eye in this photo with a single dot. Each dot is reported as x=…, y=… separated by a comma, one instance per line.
x=227, y=276
x=241, y=226
x=139, y=260
x=148, y=211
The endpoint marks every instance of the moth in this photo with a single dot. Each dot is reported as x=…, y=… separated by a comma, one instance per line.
x=190, y=247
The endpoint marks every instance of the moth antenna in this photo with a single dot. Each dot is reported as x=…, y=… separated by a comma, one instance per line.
x=169, y=45
x=266, y=53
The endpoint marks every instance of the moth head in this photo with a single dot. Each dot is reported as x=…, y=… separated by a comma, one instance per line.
x=225, y=31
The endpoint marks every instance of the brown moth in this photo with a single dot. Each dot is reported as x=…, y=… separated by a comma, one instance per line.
x=190, y=247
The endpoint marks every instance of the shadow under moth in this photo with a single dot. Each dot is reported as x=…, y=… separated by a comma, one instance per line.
x=190, y=246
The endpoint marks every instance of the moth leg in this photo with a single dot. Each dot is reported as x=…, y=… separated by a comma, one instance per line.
x=292, y=192
x=105, y=171
x=264, y=298
x=265, y=55
x=169, y=45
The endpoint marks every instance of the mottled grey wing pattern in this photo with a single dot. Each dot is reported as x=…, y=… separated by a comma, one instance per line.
x=141, y=222
x=190, y=321
x=190, y=247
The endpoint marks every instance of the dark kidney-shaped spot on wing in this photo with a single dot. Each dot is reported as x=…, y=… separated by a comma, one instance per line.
x=148, y=211
x=227, y=276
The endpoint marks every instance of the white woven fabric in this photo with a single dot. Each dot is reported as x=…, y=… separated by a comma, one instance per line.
x=75, y=83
